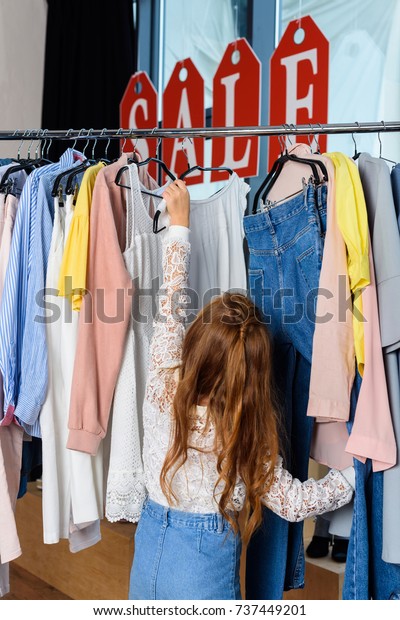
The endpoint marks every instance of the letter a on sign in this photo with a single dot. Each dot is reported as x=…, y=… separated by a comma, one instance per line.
x=236, y=102
x=299, y=80
x=138, y=110
x=183, y=106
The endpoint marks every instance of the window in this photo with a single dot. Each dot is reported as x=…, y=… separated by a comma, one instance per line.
x=364, y=78
x=201, y=30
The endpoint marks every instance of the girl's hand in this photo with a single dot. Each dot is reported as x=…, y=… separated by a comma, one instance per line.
x=177, y=198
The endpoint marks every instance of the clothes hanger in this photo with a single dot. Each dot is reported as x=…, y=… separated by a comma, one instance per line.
x=69, y=186
x=191, y=169
x=133, y=160
x=158, y=161
x=144, y=163
x=390, y=161
x=105, y=159
x=6, y=183
x=277, y=168
x=356, y=153
x=56, y=186
x=313, y=163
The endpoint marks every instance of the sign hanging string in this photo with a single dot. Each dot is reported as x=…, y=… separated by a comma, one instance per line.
x=300, y=12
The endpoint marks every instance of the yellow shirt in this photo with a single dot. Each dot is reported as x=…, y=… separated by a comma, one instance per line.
x=353, y=224
x=72, y=278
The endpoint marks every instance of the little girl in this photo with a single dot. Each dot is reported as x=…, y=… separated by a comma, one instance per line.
x=211, y=445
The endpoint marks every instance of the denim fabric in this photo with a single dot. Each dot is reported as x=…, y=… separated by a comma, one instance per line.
x=184, y=556
x=285, y=246
x=367, y=575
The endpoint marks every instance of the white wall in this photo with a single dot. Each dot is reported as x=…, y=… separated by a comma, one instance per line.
x=22, y=46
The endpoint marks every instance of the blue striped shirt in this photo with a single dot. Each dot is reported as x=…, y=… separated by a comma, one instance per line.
x=23, y=351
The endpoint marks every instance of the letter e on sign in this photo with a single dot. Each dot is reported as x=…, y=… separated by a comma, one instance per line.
x=299, y=81
x=183, y=106
x=138, y=110
x=236, y=102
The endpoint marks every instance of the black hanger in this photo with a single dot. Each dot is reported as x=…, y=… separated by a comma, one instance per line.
x=84, y=165
x=277, y=168
x=6, y=184
x=69, y=186
x=278, y=163
x=356, y=153
x=204, y=169
x=313, y=163
x=191, y=169
x=158, y=161
x=162, y=165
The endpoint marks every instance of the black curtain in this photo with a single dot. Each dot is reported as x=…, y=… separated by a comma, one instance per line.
x=91, y=52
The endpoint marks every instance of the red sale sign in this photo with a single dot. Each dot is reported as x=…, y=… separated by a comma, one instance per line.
x=183, y=106
x=236, y=102
x=299, y=81
x=138, y=110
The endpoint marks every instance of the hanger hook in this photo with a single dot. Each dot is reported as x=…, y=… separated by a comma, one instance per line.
x=283, y=139
x=355, y=144
x=119, y=133
x=78, y=136
x=185, y=151
x=281, y=144
x=158, y=141
x=94, y=146
x=294, y=128
x=379, y=138
x=15, y=132
x=89, y=132
x=134, y=146
x=317, y=141
x=39, y=134
x=108, y=141
x=310, y=138
x=44, y=142
x=20, y=145
x=287, y=127
x=32, y=141
x=380, y=144
x=49, y=145
x=158, y=146
x=354, y=140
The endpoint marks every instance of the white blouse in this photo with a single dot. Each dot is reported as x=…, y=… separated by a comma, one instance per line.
x=194, y=483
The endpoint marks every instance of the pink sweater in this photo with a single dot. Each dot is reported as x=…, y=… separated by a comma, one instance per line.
x=104, y=316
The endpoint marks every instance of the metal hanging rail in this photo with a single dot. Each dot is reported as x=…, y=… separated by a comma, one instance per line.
x=202, y=132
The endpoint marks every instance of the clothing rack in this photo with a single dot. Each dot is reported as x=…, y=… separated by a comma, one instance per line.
x=201, y=132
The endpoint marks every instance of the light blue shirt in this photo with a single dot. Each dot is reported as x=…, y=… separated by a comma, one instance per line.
x=23, y=351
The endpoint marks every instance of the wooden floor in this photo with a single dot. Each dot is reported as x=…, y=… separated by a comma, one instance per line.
x=26, y=587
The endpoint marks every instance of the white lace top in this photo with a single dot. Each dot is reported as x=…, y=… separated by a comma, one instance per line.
x=194, y=483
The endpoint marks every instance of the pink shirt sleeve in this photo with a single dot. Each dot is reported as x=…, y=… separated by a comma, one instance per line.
x=333, y=356
x=104, y=317
x=372, y=435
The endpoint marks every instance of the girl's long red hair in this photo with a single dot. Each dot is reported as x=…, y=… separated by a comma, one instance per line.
x=227, y=359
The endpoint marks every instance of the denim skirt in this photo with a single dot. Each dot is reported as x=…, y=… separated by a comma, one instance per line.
x=184, y=556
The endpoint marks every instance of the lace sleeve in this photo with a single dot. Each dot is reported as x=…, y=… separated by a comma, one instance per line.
x=169, y=323
x=295, y=501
